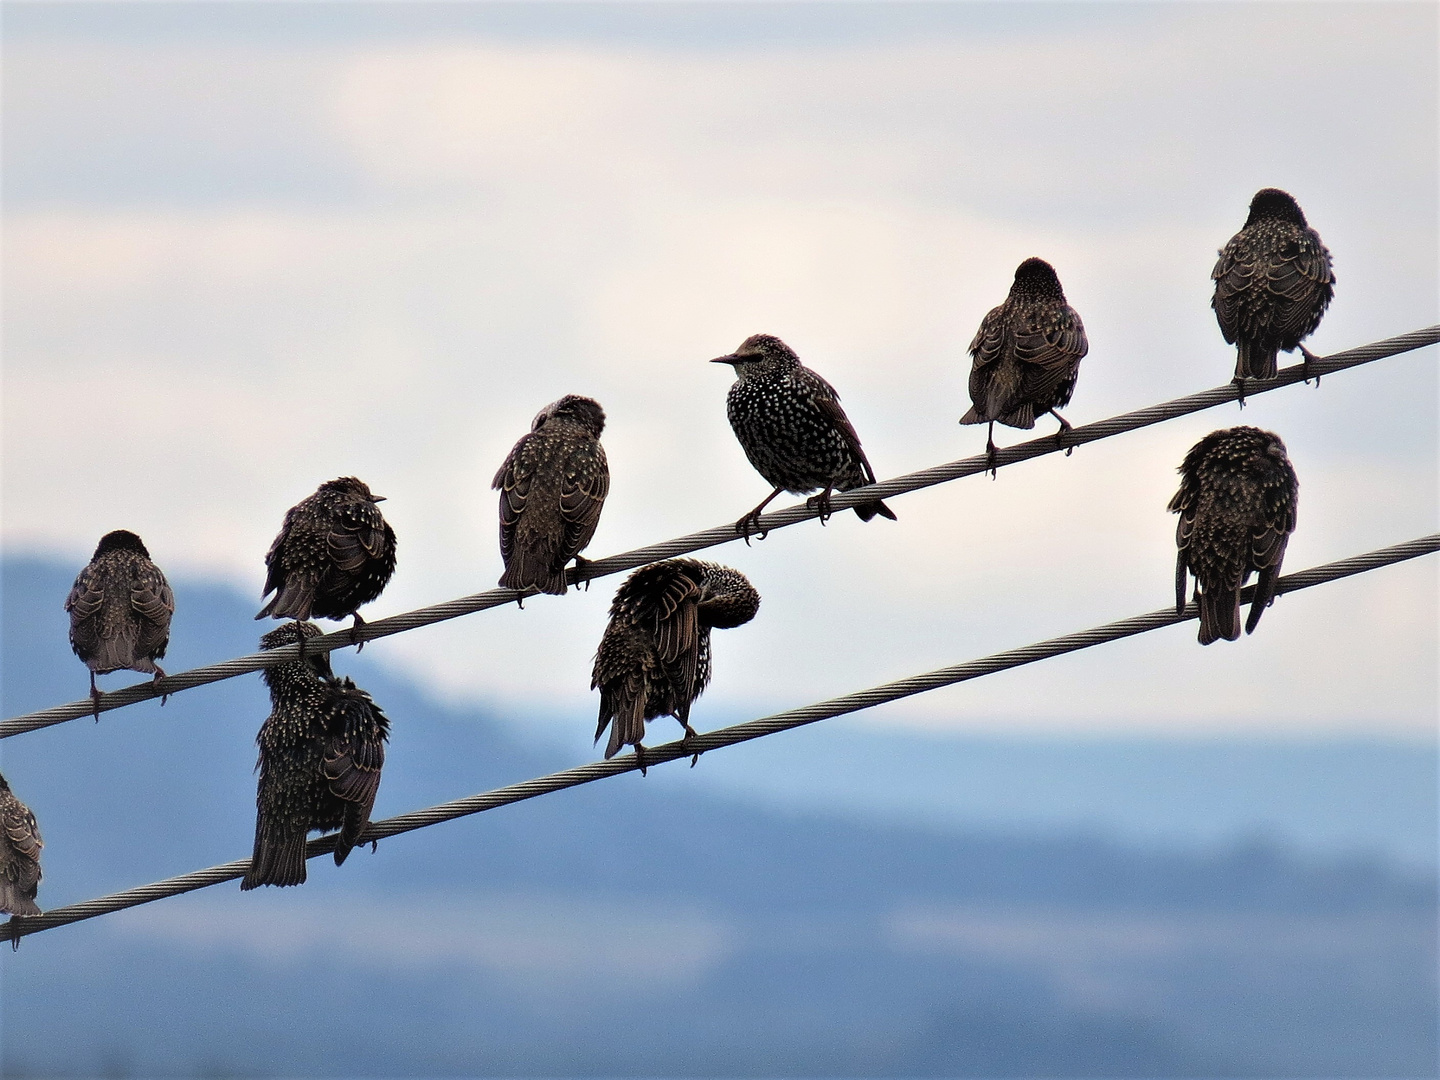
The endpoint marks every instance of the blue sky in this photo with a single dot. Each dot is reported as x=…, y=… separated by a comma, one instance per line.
x=252, y=247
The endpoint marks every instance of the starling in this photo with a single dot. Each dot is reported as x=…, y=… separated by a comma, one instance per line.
x=552, y=489
x=654, y=658
x=120, y=608
x=334, y=553
x=1273, y=283
x=792, y=428
x=1027, y=354
x=1236, y=503
x=321, y=751
x=20, y=846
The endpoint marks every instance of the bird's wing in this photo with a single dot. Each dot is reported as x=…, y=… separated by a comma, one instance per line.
x=1301, y=275
x=152, y=598
x=827, y=400
x=989, y=341
x=357, y=534
x=1233, y=274
x=582, y=497
x=21, y=829
x=513, y=481
x=86, y=596
x=355, y=744
x=1051, y=349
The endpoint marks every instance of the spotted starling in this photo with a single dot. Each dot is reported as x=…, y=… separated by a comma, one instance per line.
x=654, y=658
x=20, y=846
x=792, y=428
x=120, y=608
x=1273, y=283
x=1236, y=503
x=552, y=488
x=1027, y=354
x=334, y=553
x=321, y=751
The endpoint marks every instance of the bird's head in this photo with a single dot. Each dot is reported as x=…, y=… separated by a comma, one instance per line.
x=580, y=410
x=760, y=355
x=120, y=540
x=1036, y=277
x=727, y=598
x=316, y=664
x=1272, y=204
x=3, y=785
x=350, y=485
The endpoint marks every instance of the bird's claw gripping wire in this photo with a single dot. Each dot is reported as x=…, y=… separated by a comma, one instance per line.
x=95, y=696
x=1060, y=435
x=582, y=573
x=159, y=674
x=821, y=503
x=355, y=638
x=1309, y=359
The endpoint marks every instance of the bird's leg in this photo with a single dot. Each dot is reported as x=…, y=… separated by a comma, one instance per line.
x=1060, y=435
x=300, y=641
x=355, y=638
x=160, y=674
x=95, y=696
x=640, y=757
x=744, y=525
x=1239, y=390
x=990, y=450
x=582, y=567
x=690, y=733
x=1309, y=358
x=822, y=503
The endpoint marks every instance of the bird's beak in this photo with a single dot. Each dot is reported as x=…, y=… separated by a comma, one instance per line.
x=731, y=359
x=377, y=498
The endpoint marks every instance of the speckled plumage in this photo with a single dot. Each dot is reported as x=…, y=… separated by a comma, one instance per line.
x=552, y=488
x=321, y=751
x=1273, y=283
x=792, y=428
x=654, y=657
x=335, y=552
x=1237, y=502
x=20, y=846
x=1026, y=353
x=120, y=608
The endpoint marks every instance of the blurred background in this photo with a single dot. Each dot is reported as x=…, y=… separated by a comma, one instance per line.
x=248, y=248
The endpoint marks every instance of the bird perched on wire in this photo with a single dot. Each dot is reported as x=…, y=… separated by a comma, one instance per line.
x=792, y=428
x=20, y=846
x=334, y=553
x=1027, y=355
x=1273, y=283
x=1236, y=502
x=552, y=489
x=120, y=608
x=654, y=657
x=321, y=751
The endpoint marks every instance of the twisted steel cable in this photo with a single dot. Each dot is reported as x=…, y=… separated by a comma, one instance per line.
x=779, y=519
x=20, y=926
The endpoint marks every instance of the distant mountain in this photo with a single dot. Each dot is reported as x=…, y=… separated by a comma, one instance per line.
x=633, y=928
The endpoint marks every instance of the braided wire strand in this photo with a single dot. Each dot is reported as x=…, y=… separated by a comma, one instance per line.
x=20, y=926
x=779, y=519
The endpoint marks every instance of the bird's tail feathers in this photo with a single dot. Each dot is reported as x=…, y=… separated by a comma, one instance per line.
x=356, y=818
x=1023, y=417
x=1264, y=597
x=15, y=902
x=524, y=573
x=627, y=725
x=120, y=653
x=278, y=859
x=1219, y=615
x=293, y=600
x=972, y=417
x=866, y=511
x=1256, y=360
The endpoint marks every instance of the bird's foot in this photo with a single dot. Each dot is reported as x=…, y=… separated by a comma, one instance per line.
x=355, y=638
x=1065, y=427
x=640, y=757
x=1239, y=390
x=582, y=572
x=300, y=639
x=687, y=739
x=748, y=524
x=95, y=697
x=1308, y=359
x=990, y=451
x=160, y=674
x=821, y=503
x=374, y=846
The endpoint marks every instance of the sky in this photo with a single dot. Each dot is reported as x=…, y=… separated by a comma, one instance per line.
x=249, y=248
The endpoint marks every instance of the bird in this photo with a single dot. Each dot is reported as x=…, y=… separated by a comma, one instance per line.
x=792, y=428
x=1237, y=501
x=334, y=553
x=654, y=657
x=1027, y=355
x=321, y=751
x=20, y=846
x=552, y=488
x=1273, y=282
x=120, y=608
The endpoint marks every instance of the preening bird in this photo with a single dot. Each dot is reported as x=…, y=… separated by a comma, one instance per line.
x=1237, y=500
x=20, y=846
x=321, y=751
x=334, y=553
x=1027, y=355
x=1273, y=283
x=654, y=657
x=552, y=489
x=792, y=428
x=120, y=608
